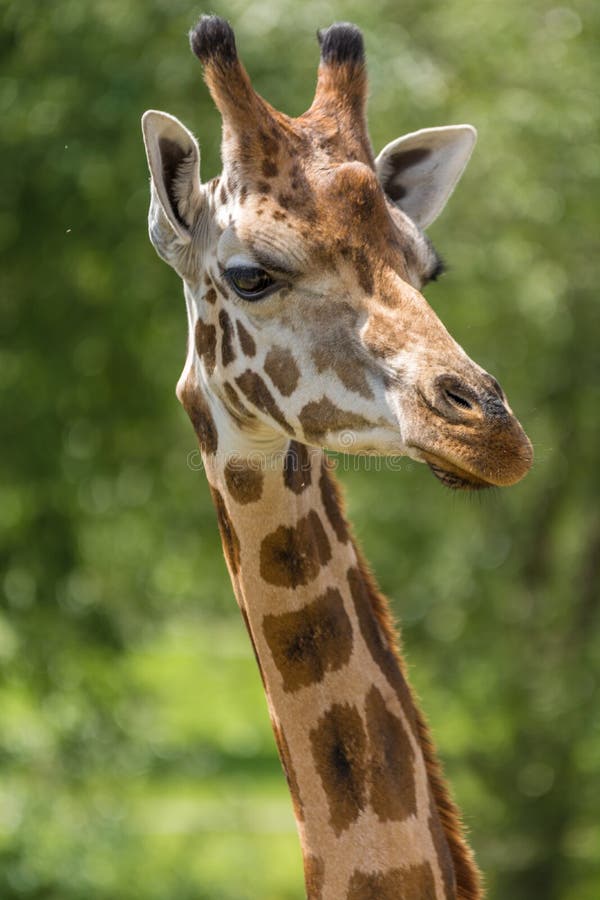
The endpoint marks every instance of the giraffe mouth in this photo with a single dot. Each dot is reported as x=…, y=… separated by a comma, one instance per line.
x=451, y=475
x=457, y=479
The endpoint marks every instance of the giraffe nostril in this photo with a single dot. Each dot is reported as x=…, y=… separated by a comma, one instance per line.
x=459, y=402
x=454, y=396
x=457, y=399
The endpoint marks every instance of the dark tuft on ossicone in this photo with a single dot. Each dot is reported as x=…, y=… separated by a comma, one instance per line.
x=342, y=43
x=213, y=39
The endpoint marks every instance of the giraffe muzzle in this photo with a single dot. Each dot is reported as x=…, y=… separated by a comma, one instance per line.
x=470, y=438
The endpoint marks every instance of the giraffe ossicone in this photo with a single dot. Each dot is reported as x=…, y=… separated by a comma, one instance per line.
x=303, y=265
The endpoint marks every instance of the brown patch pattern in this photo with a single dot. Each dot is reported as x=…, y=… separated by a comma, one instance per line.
x=235, y=405
x=269, y=168
x=282, y=369
x=211, y=295
x=301, y=198
x=255, y=389
x=332, y=504
x=354, y=377
x=322, y=416
x=393, y=795
x=333, y=353
x=233, y=397
x=307, y=643
x=297, y=467
x=246, y=340
x=244, y=482
x=291, y=556
x=269, y=140
x=227, y=351
x=230, y=540
x=339, y=745
x=206, y=344
x=409, y=883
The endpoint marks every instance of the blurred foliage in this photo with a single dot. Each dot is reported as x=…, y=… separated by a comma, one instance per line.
x=135, y=750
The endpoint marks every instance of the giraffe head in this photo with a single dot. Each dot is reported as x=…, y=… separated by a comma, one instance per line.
x=302, y=266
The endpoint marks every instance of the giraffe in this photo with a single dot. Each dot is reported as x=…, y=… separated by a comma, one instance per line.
x=302, y=266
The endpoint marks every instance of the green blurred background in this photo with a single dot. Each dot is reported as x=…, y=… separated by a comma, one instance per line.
x=136, y=757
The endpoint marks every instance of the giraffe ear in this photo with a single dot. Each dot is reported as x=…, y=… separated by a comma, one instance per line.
x=419, y=171
x=174, y=161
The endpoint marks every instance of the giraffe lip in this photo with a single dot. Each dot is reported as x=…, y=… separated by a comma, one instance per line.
x=458, y=482
x=452, y=475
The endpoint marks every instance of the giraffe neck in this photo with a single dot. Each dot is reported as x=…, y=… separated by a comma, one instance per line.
x=372, y=811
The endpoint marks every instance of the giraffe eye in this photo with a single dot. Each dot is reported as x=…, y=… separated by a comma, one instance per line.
x=249, y=282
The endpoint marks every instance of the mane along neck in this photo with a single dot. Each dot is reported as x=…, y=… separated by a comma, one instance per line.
x=373, y=812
